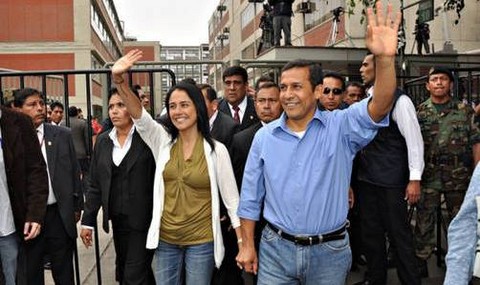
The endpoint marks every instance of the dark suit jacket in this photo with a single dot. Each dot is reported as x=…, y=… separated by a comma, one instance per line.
x=79, y=128
x=64, y=174
x=250, y=116
x=141, y=172
x=242, y=141
x=223, y=129
x=25, y=169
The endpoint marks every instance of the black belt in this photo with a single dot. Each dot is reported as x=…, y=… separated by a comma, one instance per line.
x=311, y=240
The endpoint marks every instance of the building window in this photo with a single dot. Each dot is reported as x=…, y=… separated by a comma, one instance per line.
x=247, y=15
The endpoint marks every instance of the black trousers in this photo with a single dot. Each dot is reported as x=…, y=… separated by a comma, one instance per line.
x=133, y=261
x=384, y=210
x=57, y=244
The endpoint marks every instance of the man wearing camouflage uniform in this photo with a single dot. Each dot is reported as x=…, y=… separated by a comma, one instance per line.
x=452, y=149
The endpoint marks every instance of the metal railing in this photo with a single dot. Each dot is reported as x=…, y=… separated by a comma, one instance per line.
x=466, y=86
x=39, y=80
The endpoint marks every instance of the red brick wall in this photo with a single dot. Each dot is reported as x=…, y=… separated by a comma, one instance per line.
x=45, y=61
x=148, y=52
x=318, y=36
x=36, y=20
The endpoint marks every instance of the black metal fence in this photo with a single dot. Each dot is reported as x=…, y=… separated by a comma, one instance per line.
x=55, y=86
x=466, y=86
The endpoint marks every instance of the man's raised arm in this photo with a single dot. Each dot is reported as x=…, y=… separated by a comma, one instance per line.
x=381, y=41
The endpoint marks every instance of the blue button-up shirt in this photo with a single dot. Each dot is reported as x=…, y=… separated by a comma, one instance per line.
x=463, y=236
x=303, y=181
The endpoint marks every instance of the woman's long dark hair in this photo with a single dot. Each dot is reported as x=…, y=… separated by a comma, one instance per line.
x=196, y=96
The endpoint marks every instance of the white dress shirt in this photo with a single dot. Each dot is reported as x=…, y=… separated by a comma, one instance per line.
x=405, y=116
x=242, y=106
x=119, y=152
x=41, y=139
x=212, y=119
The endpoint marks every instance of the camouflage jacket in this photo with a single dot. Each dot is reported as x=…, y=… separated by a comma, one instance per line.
x=448, y=136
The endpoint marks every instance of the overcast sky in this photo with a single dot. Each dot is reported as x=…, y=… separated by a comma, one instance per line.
x=171, y=22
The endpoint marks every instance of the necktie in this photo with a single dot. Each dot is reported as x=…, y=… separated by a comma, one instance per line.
x=236, y=115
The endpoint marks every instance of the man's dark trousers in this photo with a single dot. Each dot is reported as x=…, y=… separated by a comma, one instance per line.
x=385, y=210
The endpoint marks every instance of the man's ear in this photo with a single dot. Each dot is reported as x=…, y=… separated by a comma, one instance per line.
x=317, y=92
x=215, y=105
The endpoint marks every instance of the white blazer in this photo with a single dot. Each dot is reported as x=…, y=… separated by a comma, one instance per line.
x=220, y=173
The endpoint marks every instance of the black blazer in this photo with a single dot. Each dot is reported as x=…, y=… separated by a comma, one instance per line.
x=141, y=172
x=242, y=141
x=223, y=129
x=250, y=116
x=64, y=174
x=25, y=169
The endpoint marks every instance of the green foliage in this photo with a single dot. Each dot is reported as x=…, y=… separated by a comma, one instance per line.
x=351, y=4
x=456, y=5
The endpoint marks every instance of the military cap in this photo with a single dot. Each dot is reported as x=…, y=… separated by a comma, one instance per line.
x=440, y=70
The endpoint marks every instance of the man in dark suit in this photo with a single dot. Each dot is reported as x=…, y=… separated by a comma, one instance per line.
x=121, y=182
x=81, y=139
x=268, y=108
x=65, y=198
x=222, y=126
x=23, y=189
x=236, y=103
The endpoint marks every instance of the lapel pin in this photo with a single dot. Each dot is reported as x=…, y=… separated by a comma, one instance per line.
x=49, y=143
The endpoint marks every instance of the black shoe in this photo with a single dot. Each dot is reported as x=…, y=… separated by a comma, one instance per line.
x=364, y=282
x=47, y=265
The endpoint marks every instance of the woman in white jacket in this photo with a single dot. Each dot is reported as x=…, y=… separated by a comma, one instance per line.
x=191, y=170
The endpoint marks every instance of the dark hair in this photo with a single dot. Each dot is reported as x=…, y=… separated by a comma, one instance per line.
x=114, y=91
x=21, y=95
x=196, y=96
x=235, y=70
x=136, y=87
x=189, y=80
x=336, y=75
x=315, y=70
x=211, y=93
x=56, y=104
x=356, y=84
x=373, y=57
x=72, y=111
x=268, y=85
x=263, y=78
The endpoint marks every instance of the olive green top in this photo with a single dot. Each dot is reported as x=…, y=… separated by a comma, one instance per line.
x=187, y=213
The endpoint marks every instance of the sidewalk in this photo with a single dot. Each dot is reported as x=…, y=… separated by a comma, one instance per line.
x=88, y=271
x=87, y=267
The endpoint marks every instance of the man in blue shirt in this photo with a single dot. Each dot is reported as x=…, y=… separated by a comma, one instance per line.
x=299, y=168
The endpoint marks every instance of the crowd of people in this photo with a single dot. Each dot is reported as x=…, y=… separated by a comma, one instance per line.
x=296, y=181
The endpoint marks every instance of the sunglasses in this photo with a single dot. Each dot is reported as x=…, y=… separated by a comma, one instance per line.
x=335, y=91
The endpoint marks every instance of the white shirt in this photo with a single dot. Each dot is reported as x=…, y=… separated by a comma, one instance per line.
x=212, y=119
x=119, y=152
x=41, y=139
x=405, y=116
x=242, y=106
x=7, y=225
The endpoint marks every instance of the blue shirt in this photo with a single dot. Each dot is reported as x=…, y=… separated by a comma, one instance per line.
x=463, y=236
x=304, y=182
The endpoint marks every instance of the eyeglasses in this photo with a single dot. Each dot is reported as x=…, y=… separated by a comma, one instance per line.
x=335, y=91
